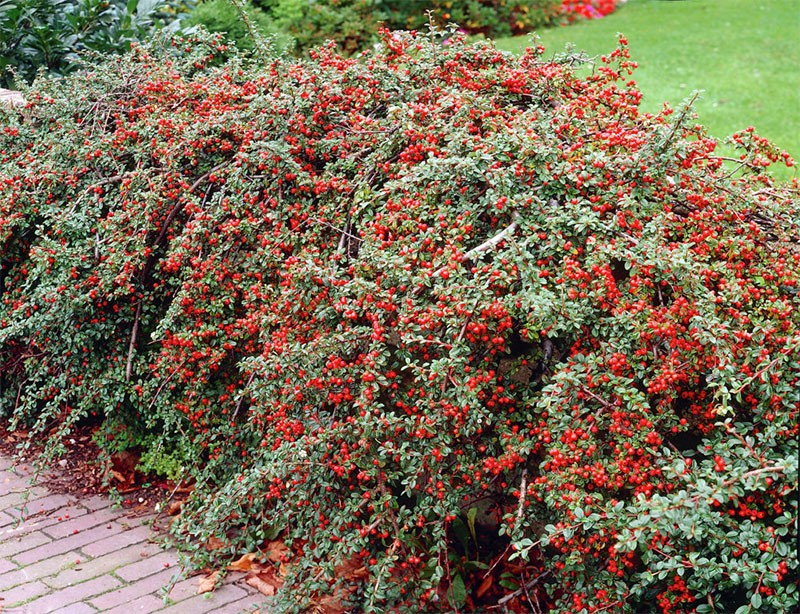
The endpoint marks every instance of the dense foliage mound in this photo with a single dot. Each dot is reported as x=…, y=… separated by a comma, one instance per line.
x=458, y=328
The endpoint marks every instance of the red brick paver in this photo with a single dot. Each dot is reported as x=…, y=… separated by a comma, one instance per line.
x=59, y=554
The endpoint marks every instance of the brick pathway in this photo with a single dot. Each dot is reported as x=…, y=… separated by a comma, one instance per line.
x=76, y=556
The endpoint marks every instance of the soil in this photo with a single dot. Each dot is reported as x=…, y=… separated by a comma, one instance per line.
x=84, y=471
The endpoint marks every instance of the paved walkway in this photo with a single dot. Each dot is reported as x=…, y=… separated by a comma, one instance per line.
x=76, y=556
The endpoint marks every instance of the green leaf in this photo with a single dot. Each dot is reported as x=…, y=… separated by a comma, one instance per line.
x=471, y=514
x=460, y=531
x=458, y=591
x=509, y=584
x=755, y=600
x=772, y=564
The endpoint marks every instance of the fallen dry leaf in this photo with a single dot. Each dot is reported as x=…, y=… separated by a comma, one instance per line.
x=329, y=604
x=245, y=563
x=262, y=586
x=352, y=569
x=275, y=551
x=207, y=583
x=214, y=543
x=140, y=510
x=125, y=461
x=265, y=582
x=485, y=586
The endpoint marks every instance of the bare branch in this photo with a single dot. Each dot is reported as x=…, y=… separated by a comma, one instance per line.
x=525, y=587
x=489, y=243
x=523, y=489
x=132, y=344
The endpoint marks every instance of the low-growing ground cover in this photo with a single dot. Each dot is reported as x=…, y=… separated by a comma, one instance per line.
x=430, y=329
x=742, y=54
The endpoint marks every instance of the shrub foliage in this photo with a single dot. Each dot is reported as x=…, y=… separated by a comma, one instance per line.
x=426, y=315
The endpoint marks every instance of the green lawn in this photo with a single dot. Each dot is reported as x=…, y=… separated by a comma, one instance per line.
x=744, y=55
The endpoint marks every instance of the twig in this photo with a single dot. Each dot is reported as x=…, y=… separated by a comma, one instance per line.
x=132, y=344
x=180, y=205
x=615, y=604
x=741, y=165
x=732, y=431
x=113, y=179
x=600, y=400
x=534, y=608
x=167, y=500
x=164, y=383
x=679, y=121
x=523, y=489
x=726, y=158
x=784, y=351
x=489, y=243
x=241, y=398
x=538, y=605
x=758, y=589
x=380, y=573
x=753, y=473
x=345, y=233
x=450, y=593
x=260, y=44
x=457, y=341
x=374, y=524
x=525, y=587
x=151, y=259
x=19, y=393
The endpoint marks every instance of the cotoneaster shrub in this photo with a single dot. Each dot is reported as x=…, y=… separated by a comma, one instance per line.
x=459, y=328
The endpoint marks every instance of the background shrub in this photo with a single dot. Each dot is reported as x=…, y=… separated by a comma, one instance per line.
x=354, y=24
x=490, y=17
x=51, y=34
x=222, y=16
x=456, y=327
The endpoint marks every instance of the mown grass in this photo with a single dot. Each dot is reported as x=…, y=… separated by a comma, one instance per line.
x=743, y=55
